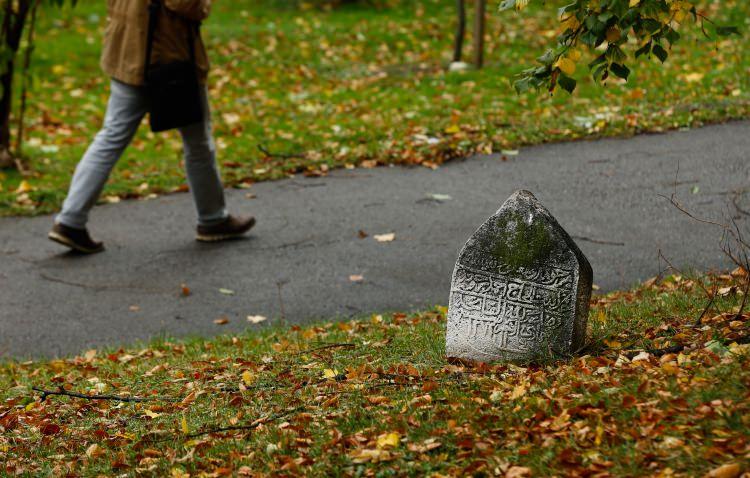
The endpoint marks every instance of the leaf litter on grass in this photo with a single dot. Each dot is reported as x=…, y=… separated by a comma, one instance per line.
x=656, y=392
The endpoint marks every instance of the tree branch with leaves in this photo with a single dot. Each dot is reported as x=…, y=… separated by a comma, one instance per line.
x=609, y=28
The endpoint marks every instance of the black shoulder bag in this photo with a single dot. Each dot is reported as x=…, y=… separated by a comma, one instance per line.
x=174, y=92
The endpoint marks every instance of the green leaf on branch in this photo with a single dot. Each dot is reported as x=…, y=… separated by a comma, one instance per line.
x=566, y=83
x=621, y=71
x=660, y=53
x=614, y=24
x=726, y=31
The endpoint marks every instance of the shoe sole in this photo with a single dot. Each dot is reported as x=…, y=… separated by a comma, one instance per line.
x=223, y=237
x=60, y=239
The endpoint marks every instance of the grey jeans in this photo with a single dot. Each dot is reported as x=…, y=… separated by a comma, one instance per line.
x=125, y=111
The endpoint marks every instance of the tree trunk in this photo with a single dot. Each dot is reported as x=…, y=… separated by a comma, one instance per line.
x=12, y=31
x=458, y=45
x=481, y=7
x=6, y=83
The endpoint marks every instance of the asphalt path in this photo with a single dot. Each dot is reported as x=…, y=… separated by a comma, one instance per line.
x=610, y=195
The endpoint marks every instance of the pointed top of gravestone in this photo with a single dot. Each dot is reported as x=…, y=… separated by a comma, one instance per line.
x=520, y=287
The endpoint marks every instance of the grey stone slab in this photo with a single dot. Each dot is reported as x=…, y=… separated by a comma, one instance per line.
x=521, y=288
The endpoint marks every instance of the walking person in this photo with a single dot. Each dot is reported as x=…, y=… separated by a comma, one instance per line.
x=157, y=62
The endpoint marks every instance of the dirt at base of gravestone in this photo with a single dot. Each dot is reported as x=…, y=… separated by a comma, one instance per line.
x=657, y=392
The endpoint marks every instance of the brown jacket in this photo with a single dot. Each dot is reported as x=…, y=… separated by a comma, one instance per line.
x=124, y=53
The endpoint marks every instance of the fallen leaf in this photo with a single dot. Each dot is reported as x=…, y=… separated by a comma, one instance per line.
x=256, y=319
x=440, y=197
x=185, y=290
x=356, y=278
x=94, y=451
x=518, y=472
x=226, y=291
x=149, y=414
x=385, y=237
x=518, y=392
x=388, y=440
x=221, y=321
x=694, y=77
x=24, y=187
x=453, y=129
x=248, y=378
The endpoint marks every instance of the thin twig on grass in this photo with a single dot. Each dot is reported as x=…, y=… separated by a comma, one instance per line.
x=710, y=295
x=117, y=398
x=248, y=427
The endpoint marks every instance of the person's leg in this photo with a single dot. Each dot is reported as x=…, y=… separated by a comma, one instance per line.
x=126, y=108
x=202, y=170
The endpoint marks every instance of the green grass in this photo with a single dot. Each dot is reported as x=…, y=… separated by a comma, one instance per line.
x=383, y=400
x=359, y=86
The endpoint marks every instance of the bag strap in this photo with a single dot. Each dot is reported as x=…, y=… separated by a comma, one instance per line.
x=153, y=15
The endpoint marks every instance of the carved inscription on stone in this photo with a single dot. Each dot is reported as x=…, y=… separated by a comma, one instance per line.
x=520, y=288
x=502, y=314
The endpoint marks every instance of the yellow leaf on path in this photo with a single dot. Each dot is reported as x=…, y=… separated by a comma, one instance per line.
x=694, y=77
x=388, y=440
x=330, y=373
x=151, y=414
x=566, y=65
x=184, y=425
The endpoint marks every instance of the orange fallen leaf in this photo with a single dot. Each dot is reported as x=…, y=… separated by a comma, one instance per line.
x=729, y=470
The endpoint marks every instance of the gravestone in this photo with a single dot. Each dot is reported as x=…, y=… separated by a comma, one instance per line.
x=520, y=289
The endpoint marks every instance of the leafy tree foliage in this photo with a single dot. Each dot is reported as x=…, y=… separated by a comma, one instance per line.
x=609, y=28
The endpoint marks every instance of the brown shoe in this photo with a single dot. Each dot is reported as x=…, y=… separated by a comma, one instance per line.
x=76, y=239
x=232, y=228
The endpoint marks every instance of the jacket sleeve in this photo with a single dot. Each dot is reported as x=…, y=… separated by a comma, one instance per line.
x=195, y=10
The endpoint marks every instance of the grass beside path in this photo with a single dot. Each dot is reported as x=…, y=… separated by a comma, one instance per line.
x=375, y=397
x=306, y=90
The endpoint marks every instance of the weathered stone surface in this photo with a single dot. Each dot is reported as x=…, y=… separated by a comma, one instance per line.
x=520, y=289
